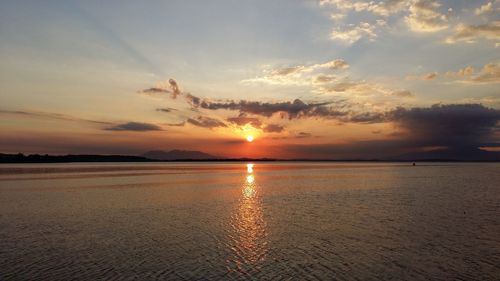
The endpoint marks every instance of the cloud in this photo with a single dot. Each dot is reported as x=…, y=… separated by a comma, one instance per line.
x=369, y=117
x=493, y=101
x=174, y=87
x=53, y=116
x=154, y=90
x=256, y=123
x=320, y=79
x=171, y=87
x=431, y=76
x=273, y=128
x=295, y=109
x=134, y=126
x=327, y=79
x=464, y=72
x=441, y=131
x=425, y=16
x=452, y=125
x=302, y=135
x=425, y=77
x=382, y=8
x=353, y=33
x=403, y=94
x=345, y=86
x=243, y=120
x=206, y=122
x=181, y=124
x=166, y=109
x=473, y=33
x=337, y=16
x=488, y=74
x=485, y=9
x=297, y=74
x=373, y=97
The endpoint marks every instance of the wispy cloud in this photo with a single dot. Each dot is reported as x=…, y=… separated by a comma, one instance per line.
x=166, y=109
x=298, y=74
x=353, y=33
x=488, y=74
x=425, y=77
x=134, y=126
x=473, y=33
x=381, y=8
x=206, y=122
x=54, y=116
x=162, y=88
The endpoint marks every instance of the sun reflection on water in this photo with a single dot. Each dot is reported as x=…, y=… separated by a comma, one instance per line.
x=249, y=241
x=249, y=168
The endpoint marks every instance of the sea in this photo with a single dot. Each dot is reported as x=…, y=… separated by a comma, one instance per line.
x=250, y=221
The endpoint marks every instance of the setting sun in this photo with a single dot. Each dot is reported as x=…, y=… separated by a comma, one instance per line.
x=249, y=138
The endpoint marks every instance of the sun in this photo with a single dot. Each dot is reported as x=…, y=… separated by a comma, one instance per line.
x=249, y=138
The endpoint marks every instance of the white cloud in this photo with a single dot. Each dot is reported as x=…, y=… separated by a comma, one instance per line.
x=473, y=33
x=425, y=16
x=485, y=9
x=381, y=8
x=354, y=33
x=299, y=74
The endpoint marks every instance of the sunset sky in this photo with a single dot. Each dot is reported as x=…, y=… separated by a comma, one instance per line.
x=306, y=79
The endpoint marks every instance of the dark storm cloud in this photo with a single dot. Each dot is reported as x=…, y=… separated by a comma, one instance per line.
x=450, y=125
x=206, y=122
x=453, y=131
x=134, y=126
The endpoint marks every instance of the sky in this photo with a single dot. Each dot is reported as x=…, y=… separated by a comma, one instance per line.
x=327, y=79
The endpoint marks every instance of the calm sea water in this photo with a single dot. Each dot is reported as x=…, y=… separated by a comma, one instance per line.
x=237, y=221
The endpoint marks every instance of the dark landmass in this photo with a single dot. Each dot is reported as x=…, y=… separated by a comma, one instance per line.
x=446, y=155
x=37, y=158
x=177, y=154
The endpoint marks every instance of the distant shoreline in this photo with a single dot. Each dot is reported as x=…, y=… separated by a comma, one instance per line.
x=37, y=158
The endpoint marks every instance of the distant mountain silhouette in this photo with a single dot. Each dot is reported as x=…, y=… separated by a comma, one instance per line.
x=177, y=154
